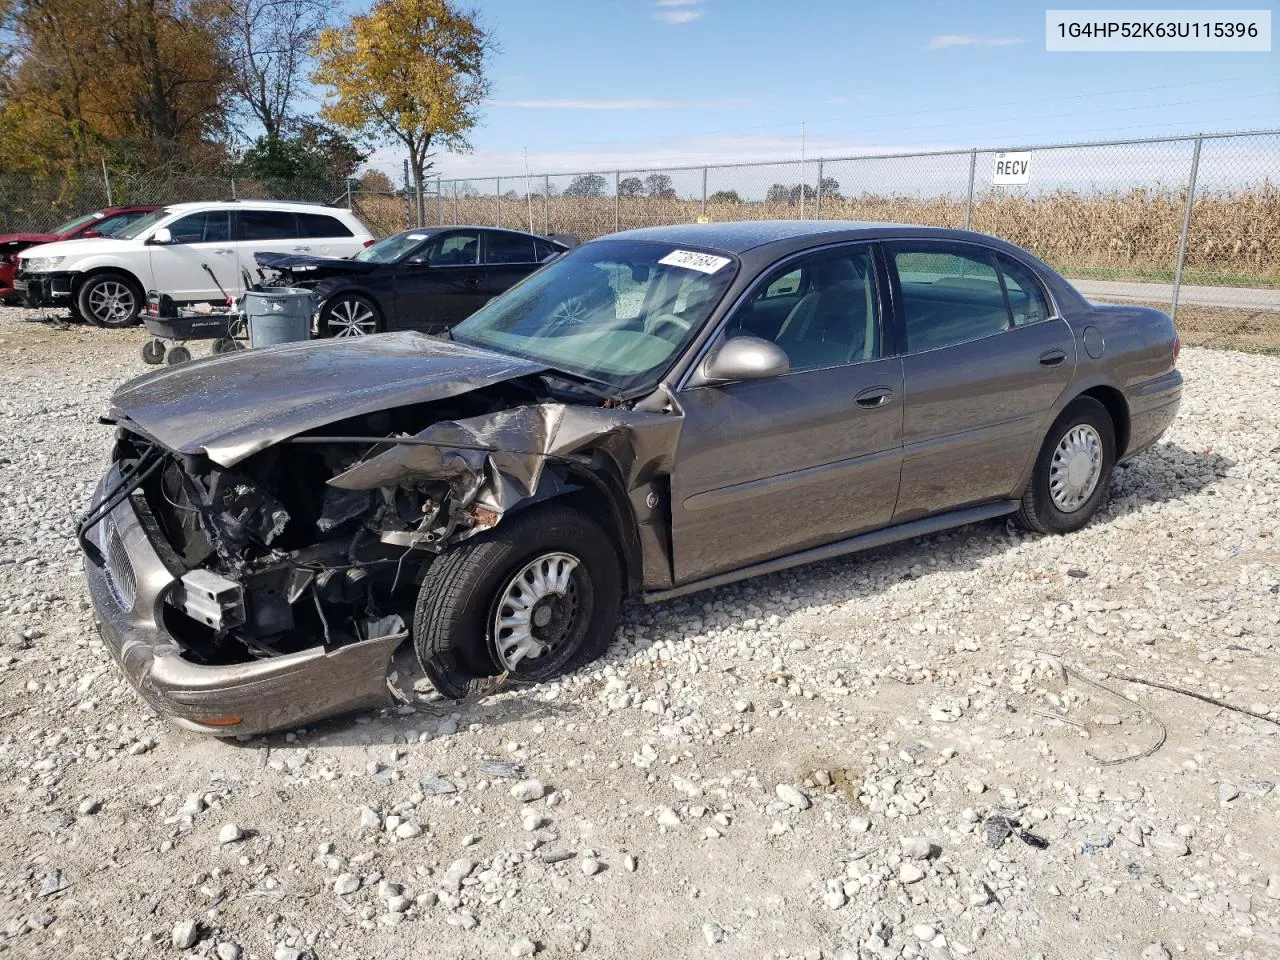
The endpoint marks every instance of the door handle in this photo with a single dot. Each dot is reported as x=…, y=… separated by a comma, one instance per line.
x=224, y=251
x=471, y=281
x=1052, y=358
x=301, y=249
x=873, y=397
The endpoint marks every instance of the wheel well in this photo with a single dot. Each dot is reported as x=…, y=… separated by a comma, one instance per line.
x=88, y=275
x=606, y=503
x=1114, y=401
x=352, y=291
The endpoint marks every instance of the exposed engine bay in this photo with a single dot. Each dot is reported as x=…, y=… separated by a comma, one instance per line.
x=323, y=536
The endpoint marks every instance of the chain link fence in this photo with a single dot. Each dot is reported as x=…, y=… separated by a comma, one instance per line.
x=1114, y=217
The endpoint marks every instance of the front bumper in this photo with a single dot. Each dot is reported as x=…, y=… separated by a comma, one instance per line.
x=128, y=594
x=43, y=289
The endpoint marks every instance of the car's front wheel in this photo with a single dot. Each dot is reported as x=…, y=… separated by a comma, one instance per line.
x=535, y=597
x=1073, y=471
x=349, y=315
x=109, y=300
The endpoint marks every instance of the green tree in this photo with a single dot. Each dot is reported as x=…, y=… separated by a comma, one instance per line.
x=724, y=196
x=630, y=187
x=830, y=188
x=586, y=185
x=659, y=185
x=317, y=155
x=408, y=71
x=375, y=181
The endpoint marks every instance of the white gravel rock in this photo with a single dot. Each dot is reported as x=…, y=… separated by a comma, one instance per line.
x=526, y=791
x=792, y=796
x=185, y=933
x=346, y=884
x=229, y=833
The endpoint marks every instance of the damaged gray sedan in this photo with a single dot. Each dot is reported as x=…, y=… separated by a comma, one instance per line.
x=654, y=413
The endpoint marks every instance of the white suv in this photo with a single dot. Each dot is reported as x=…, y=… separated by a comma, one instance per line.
x=105, y=279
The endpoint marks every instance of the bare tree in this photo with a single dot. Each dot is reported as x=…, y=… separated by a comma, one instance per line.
x=269, y=49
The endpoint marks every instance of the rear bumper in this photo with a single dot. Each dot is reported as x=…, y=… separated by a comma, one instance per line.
x=128, y=593
x=1152, y=408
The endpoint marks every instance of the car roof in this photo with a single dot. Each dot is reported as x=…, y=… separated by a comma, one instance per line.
x=253, y=205
x=433, y=230
x=739, y=236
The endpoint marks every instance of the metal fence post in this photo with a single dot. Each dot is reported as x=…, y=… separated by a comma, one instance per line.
x=1186, y=227
x=817, y=197
x=455, y=203
x=617, y=199
x=233, y=188
x=968, y=203
x=348, y=193
x=704, y=191
x=546, y=206
x=408, y=215
x=106, y=180
x=498, y=190
x=439, y=202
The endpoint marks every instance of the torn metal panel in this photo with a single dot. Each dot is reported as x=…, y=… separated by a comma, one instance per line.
x=232, y=406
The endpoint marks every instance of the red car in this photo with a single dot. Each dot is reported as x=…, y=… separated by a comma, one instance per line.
x=100, y=223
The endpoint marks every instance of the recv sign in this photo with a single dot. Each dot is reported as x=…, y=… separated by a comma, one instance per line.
x=1011, y=168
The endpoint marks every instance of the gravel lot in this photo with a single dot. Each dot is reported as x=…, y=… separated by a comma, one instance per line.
x=799, y=766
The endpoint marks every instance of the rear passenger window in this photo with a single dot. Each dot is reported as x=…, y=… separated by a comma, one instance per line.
x=319, y=225
x=1026, y=301
x=950, y=295
x=267, y=225
x=508, y=248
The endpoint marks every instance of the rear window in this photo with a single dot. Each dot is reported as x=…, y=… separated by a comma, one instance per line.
x=267, y=225
x=546, y=250
x=320, y=225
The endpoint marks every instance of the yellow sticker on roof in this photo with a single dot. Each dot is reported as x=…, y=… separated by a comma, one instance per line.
x=702, y=262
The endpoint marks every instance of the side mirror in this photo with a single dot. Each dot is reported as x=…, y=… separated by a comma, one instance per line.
x=745, y=358
x=420, y=261
x=162, y=236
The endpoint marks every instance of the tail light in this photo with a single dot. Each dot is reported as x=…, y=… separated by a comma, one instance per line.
x=370, y=242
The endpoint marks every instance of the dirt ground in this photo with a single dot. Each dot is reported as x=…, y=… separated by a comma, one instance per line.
x=804, y=765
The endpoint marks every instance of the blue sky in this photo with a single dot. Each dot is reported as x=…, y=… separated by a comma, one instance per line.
x=634, y=83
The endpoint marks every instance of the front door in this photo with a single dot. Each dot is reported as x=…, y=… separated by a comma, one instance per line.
x=440, y=284
x=508, y=259
x=985, y=363
x=769, y=467
x=196, y=240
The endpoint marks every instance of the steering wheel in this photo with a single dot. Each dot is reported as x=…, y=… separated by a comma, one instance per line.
x=653, y=323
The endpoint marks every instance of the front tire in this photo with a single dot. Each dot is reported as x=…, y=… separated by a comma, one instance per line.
x=537, y=598
x=111, y=300
x=1072, y=474
x=349, y=315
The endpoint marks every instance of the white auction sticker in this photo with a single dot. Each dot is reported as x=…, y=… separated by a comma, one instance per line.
x=702, y=262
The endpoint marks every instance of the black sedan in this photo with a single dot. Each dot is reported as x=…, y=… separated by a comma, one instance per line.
x=427, y=279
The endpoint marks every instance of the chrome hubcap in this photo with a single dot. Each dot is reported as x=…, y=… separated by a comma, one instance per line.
x=1075, y=468
x=537, y=609
x=111, y=300
x=351, y=318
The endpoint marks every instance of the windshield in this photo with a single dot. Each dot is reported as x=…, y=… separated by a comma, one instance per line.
x=390, y=249
x=72, y=224
x=141, y=225
x=619, y=311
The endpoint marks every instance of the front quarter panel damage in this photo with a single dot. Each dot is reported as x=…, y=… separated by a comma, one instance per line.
x=499, y=462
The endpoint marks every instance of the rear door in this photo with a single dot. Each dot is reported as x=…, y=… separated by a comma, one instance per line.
x=440, y=284
x=266, y=231
x=508, y=258
x=769, y=467
x=985, y=360
x=197, y=239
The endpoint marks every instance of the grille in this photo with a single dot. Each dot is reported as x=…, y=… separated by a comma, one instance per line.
x=119, y=570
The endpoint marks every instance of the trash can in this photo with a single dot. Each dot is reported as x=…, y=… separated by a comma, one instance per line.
x=278, y=315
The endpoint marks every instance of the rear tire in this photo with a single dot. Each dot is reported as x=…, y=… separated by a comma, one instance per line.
x=549, y=578
x=349, y=315
x=1072, y=475
x=111, y=300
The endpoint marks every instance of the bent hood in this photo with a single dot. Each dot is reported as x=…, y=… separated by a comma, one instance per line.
x=83, y=247
x=231, y=406
x=11, y=240
x=300, y=268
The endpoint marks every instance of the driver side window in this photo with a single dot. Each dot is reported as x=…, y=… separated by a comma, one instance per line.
x=457, y=249
x=211, y=226
x=822, y=310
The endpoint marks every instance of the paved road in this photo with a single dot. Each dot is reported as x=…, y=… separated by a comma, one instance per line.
x=1248, y=298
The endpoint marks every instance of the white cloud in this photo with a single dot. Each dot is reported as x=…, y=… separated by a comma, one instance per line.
x=639, y=103
x=945, y=40
x=677, y=11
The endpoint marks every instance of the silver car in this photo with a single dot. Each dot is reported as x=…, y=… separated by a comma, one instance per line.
x=656, y=412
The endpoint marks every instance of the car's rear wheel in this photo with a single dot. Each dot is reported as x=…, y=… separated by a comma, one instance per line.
x=110, y=300
x=1073, y=470
x=349, y=315
x=535, y=598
